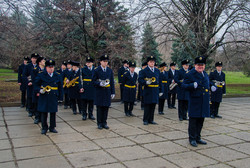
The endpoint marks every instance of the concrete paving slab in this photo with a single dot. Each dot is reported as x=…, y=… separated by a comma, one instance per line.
x=242, y=127
x=242, y=163
x=30, y=141
x=222, y=129
x=173, y=135
x=111, y=165
x=244, y=147
x=223, y=139
x=6, y=155
x=35, y=151
x=114, y=142
x=51, y=162
x=155, y=162
x=146, y=138
x=90, y=158
x=241, y=135
x=3, y=134
x=2, y=124
x=222, y=154
x=220, y=165
x=189, y=159
x=70, y=137
x=130, y=153
x=99, y=134
x=4, y=144
x=7, y=165
x=26, y=121
x=129, y=131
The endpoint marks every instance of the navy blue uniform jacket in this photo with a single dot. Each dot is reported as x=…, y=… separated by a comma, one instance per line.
x=182, y=94
x=198, y=104
x=217, y=95
x=28, y=75
x=103, y=94
x=20, y=77
x=121, y=71
x=47, y=102
x=129, y=91
x=165, y=84
x=74, y=91
x=36, y=71
x=150, y=92
x=88, y=86
x=172, y=77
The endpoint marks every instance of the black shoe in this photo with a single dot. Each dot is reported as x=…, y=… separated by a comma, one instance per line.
x=99, y=126
x=30, y=114
x=201, y=142
x=65, y=107
x=44, y=132
x=91, y=117
x=22, y=106
x=181, y=119
x=84, y=117
x=53, y=131
x=173, y=107
x=217, y=116
x=152, y=122
x=131, y=114
x=74, y=112
x=105, y=126
x=160, y=113
x=145, y=123
x=212, y=116
x=127, y=114
x=36, y=121
x=185, y=119
x=193, y=143
x=170, y=107
x=80, y=112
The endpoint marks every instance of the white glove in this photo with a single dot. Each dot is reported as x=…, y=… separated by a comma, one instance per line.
x=195, y=85
x=42, y=91
x=160, y=94
x=224, y=94
x=112, y=96
x=148, y=82
x=213, y=88
x=102, y=84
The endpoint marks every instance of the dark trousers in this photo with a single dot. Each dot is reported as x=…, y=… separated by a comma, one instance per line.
x=23, y=97
x=66, y=99
x=44, y=117
x=30, y=105
x=139, y=93
x=37, y=113
x=161, y=105
x=142, y=103
x=194, y=128
x=121, y=91
x=171, y=99
x=128, y=107
x=182, y=109
x=102, y=115
x=215, y=108
x=87, y=104
x=149, y=110
x=73, y=104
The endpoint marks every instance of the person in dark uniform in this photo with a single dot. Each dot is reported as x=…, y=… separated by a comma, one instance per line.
x=87, y=89
x=197, y=83
x=165, y=81
x=40, y=68
x=103, y=80
x=121, y=71
x=74, y=88
x=149, y=78
x=182, y=94
x=129, y=90
x=28, y=76
x=140, y=88
x=66, y=77
x=61, y=71
x=217, y=78
x=21, y=81
x=173, y=89
x=48, y=85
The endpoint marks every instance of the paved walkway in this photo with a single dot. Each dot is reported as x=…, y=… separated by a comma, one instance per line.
x=128, y=143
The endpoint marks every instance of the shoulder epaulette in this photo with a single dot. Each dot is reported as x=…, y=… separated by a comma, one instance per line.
x=35, y=68
x=125, y=72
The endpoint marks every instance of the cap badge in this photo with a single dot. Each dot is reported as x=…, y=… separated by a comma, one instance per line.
x=50, y=61
x=200, y=58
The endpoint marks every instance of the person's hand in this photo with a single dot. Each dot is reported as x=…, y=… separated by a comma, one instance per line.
x=38, y=94
x=42, y=91
x=160, y=94
x=81, y=90
x=213, y=88
x=112, y=96
x=102, y=84
x=19, y=84
x=148, y=82
x=30, y=83
x=195, y=85
x=224, y=94
x=67, y=81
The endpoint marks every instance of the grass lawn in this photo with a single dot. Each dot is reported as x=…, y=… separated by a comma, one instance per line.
x=237, y=83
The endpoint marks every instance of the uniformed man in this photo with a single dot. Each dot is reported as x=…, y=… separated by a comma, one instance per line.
x=28, y=76
x=197, y=83
x=182, y=94
x=217, y=78
x=121, y=71
x=67, y=75
x=74, y=88
x=40, y=68
x=62, y=71
x=129, y=90
x=103, y=79
x=165, y=81
x=140, y=87
x=49, y=85
x=87, y=89
x=149, y=78
x=21, y=81
x=172, y=73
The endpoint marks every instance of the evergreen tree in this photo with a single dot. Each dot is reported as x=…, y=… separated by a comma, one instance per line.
x=149, y=44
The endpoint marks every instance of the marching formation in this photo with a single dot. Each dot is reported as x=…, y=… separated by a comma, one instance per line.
x=199, y=94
